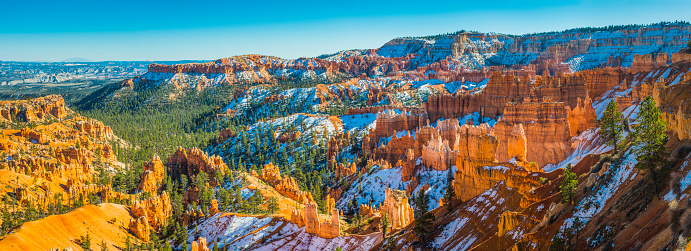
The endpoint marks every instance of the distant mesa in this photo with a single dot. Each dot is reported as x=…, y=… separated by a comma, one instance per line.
x=75, y=60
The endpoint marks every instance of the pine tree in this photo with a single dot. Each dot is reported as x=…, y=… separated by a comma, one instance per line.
x=104, y=246
x=128, y=243
x=85, y=241
x=569, y=184
x=423, y=224
x=384, y=225
x=650, y=138
x=450, y=193
x=421, y=203
x=611, y=126
x=273, y=205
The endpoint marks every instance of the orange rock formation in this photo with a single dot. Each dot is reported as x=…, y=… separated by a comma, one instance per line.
x=546, y=129
x=397, y=209
x=286, y=186
x=152, y=175
x=193, y=161
x=154, y=211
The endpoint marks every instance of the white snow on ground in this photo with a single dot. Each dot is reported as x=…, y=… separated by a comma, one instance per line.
x=307, y=124
x=437, y=185
x=476, y=119
x=685, y=182
x=297, y=239
x=369, y=189
x=594, y=202
x=358, y=122
x=589, y=142
x=450, y=230
x=453, y=87
x=465, y=243
x=233, y=232
x=484, y=204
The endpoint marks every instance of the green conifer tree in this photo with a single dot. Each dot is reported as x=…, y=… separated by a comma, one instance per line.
x=650, y=138
x=611, y=126
x=568, y=185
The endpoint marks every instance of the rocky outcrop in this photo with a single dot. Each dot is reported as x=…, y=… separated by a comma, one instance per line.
x=601, y=80
x=647, y=62
x=95, y=129
x=152, y=175
x=438, y=155
x=366, y=211
x=155, y=209
x=397, y=208
x=478, y=169
x=140, y=228
x=200, y=245
x=396, y=148
x=193, y=161
x=225, y=134
x=286, y=186
x=679, y=57
x=503, y=89
x=38, y=109
x=546, y=129
x=582, y=117
x=313, y=225
x=388, y=123
x=342, y=171
x=676, y=110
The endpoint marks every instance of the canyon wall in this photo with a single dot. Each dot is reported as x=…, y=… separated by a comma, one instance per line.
x=546, y=129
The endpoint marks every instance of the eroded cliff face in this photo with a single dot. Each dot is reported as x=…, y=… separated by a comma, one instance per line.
x=310, y=220
x=151, y=213
x=546, y=129
x=478, y=169
x=193, y=161
x=60, y=155
x=506, y=88
x=38, y=109
x=396, y=206
x=152, y=175
x=675, y=107
x=286, y=186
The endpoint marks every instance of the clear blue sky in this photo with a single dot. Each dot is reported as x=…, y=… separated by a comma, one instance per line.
x=52, y=30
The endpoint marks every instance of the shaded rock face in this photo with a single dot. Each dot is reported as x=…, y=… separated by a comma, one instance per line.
x=313, y=225
x=438, y=155
x=388, y=123
x=343, y=171
x=193, y=161
x=503, y=89
x=546, y=129
x=647, y=62
x=676, y=110
x=366, y=211
x=152, y=175
x=397, y=208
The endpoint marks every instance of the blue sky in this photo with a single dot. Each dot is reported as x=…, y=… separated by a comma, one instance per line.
x=176, y=30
